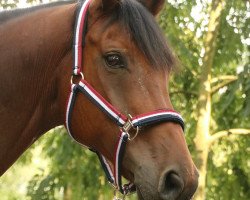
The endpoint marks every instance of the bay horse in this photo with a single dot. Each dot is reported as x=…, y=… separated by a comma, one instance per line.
x=127, y=64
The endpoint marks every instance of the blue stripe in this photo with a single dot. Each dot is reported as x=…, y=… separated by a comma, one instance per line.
x=120, y=159
x=105, y=169
x=158, y=119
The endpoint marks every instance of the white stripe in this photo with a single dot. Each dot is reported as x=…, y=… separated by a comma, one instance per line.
x=75, y=71
x=155, y=115
x=88, y=90
x=117, y=157
x=68, y=106
x=78, y=31
x=108, y=167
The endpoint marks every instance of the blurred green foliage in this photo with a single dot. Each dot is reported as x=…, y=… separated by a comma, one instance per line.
x=66, y=169
x=71, y=170
x=229, y=158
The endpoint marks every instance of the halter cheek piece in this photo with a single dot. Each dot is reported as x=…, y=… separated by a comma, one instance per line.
x=125, y=123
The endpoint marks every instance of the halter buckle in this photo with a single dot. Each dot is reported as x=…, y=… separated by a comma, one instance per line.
x=127, y=126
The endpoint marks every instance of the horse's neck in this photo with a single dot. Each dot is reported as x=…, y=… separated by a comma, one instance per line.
x=33, y=51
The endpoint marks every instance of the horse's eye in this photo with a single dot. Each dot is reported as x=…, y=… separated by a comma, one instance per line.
x=114, y=60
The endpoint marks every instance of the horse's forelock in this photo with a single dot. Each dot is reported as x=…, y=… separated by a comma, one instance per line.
x=145, y=32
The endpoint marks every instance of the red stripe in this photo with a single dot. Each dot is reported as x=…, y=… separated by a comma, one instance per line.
x=104, y=101
x=154, y=112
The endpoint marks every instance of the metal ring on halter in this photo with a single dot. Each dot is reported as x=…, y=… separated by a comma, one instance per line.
x=72, y=77
x=127, y=126
x=136, y=133
x=135, y=128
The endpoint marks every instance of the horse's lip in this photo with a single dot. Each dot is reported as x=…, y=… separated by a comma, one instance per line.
x=140, y=196
x=138, y=191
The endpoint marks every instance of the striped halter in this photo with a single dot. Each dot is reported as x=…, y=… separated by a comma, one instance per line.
x=124, y=123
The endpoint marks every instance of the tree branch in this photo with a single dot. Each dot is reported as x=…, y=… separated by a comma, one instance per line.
x=223, y=78
x=221, y=85
x=184, y=92
x=221, y=134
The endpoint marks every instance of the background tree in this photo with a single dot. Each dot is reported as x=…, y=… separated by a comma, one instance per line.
x=216, y=59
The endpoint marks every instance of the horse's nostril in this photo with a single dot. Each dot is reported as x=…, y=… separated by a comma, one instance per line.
x=172, y=181
x=171, y=185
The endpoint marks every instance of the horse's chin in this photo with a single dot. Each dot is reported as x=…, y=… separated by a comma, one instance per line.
x=139, y=194
x=145, y=194
x=142, y=196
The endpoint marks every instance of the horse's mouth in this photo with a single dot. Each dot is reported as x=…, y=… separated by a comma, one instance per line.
x=140, y=195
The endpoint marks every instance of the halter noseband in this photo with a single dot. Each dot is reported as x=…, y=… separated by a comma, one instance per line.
x=124, y=123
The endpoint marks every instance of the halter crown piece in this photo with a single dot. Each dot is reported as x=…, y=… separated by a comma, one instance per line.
x=124, y=123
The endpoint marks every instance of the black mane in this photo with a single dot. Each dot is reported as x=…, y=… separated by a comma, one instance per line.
x=145, y=32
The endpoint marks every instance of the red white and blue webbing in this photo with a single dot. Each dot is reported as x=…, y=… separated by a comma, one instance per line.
x=147, y=119
x=157, y=116
x=106, y=168
x=119, y=154
x=115, y=178
x=102, y=103
x=80, y=27
x=120, y=119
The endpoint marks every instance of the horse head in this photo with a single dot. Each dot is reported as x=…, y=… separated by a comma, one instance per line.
x=127, y=60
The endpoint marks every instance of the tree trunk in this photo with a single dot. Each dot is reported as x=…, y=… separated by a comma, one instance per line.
x=204, y=102
x=67, y=195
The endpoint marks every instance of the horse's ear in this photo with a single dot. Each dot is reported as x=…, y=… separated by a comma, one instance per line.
x=154, y=6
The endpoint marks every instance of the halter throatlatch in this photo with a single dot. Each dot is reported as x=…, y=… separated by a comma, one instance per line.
x=125, y=123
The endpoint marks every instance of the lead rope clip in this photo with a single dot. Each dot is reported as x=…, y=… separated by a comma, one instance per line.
x=74, y=76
